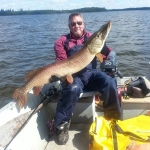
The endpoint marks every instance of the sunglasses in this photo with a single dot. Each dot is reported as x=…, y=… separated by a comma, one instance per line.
x=74, y=23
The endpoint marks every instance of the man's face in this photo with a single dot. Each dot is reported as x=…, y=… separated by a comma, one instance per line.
x=76, y=26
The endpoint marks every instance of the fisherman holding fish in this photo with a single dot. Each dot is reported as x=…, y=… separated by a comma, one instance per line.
x=76, y=63
x=88, y=78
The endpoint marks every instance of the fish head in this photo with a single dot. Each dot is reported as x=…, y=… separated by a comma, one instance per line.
x=97, y=40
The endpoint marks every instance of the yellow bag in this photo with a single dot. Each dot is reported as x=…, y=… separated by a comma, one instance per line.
x=137, y=128
x=117, y=135
x=103, y=137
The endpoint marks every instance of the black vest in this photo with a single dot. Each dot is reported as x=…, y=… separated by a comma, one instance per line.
x=71, y=51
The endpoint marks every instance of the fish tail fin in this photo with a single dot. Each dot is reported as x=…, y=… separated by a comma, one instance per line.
x=20, y=96
x=37, y=90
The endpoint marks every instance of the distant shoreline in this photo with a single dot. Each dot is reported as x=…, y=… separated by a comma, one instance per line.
x=82, y=10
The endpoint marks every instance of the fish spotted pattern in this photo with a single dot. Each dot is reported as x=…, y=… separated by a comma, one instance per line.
x=37, y=78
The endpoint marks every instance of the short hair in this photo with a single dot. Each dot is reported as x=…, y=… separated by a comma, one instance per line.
x=74, y=14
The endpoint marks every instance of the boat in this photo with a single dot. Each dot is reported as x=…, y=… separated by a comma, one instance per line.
x=26, y=129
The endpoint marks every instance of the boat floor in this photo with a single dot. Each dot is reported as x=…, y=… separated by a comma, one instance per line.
x=78, y=139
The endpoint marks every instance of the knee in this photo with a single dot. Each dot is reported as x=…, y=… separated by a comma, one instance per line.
x=73, y=89
x=110, y=84
x=113, y=83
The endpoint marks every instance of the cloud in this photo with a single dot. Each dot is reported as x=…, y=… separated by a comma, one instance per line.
x=58, y=1
x=71, y=4
x=139, y=3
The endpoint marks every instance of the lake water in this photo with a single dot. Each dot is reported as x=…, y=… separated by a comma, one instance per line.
x=26, y=43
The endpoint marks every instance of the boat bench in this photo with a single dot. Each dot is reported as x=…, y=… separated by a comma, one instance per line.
x=84, y=111
x=133, y=107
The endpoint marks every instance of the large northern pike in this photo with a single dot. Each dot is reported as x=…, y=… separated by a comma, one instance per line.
x=37, y=78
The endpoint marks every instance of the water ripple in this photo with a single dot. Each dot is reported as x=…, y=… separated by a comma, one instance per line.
x=27, y=41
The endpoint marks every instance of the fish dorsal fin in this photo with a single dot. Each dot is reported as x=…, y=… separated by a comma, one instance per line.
x=30, y=74
x=99, y=57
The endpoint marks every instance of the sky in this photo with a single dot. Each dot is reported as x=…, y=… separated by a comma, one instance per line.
x=70, y=4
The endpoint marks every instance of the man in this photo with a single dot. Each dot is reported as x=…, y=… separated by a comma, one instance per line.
x=88, y=78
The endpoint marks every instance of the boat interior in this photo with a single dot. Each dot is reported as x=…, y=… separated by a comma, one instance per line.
x=26, y=129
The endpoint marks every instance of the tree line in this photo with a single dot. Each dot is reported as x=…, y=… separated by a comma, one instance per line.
x=31, y=12
x=87, y=9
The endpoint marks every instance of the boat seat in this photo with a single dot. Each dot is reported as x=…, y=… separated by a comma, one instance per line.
x=87, y=93
x=133, y=107
x=84, y=111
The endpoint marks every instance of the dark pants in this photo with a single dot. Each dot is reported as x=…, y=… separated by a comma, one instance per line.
x=95, y=81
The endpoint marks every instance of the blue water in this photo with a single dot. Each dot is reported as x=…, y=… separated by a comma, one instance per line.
x=26, y=43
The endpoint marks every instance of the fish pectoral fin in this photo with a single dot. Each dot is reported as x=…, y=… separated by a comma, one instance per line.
x=37, y=90
x=68, y=78
x=30, y=74
x=99, y=57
